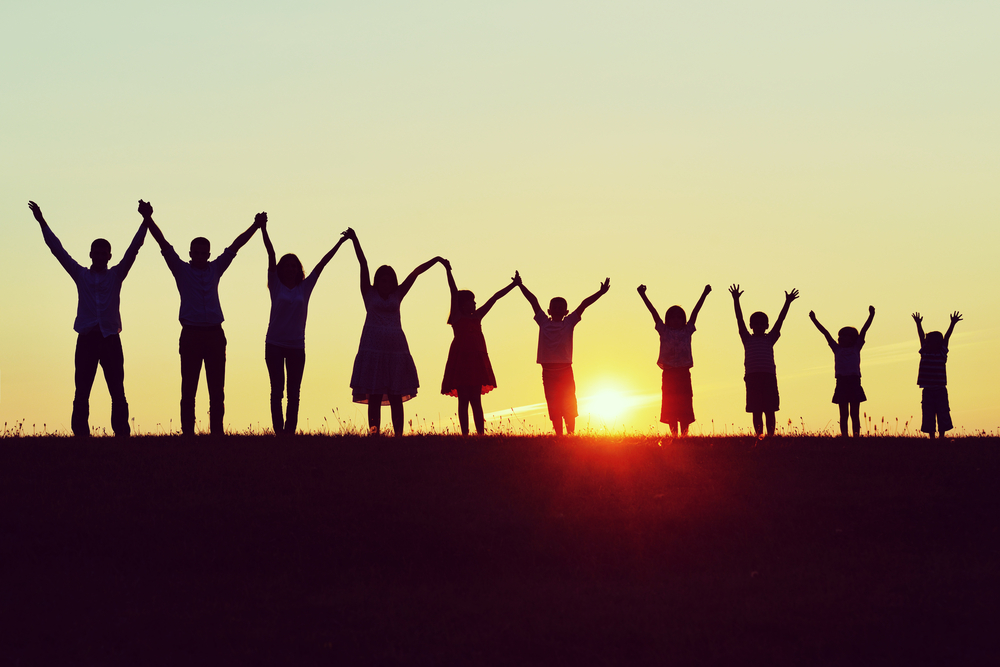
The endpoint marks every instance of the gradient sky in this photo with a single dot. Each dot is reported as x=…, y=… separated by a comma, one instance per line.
x=848, y=149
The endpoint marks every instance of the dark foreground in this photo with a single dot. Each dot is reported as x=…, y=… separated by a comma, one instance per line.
x=503, y=551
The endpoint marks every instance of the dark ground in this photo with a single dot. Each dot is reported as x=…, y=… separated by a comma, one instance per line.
x=503, y=551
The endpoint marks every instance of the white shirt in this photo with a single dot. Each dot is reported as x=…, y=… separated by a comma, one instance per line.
x=289, y=307
x=199, y=288
x=555, y=339
x=99, y=291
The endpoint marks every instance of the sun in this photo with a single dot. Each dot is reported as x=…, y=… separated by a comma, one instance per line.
x=609, y=404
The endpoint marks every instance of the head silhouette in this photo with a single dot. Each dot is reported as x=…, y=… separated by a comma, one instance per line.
x=758, y=323
x=558, y=308
x=848, y=336
x=289, y=270
x=933, y=342
x=200, y=251
x=464, y=305
x=385, y=282
x=675, y=317
x=100, y=254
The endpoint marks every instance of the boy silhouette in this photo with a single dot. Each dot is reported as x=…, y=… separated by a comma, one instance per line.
x=98, y=324
x=932, y=377
x=760, y=372
x=555, y=354
x=202, y=337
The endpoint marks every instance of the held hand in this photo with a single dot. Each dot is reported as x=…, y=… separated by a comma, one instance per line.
x=735, y=290
x=791, y=296
x=145, y=209
x=605, y=286
x=516, y=279
x=447, y=264
x=261, y=220
x=956, y=317
x=641, y=289
x=37, y=212
x=916, y=318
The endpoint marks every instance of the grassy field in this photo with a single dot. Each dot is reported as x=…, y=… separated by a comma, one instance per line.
x=499, y=551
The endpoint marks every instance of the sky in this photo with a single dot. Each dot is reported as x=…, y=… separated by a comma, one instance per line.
x=846, y=149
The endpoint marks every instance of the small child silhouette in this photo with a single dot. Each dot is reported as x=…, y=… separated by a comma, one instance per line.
x=932, y=377
x=847, y=368
x=555, y=354
x=677, y=407
x=760, y=376
x=468, y=373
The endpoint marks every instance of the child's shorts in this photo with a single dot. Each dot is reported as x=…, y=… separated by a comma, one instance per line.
x=560, y=390
x=677, y=405
x=762, y=392
x=849, y=390
x=934, y=406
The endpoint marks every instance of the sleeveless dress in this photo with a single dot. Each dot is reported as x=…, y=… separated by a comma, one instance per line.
x=468, y=362
x=383, y=364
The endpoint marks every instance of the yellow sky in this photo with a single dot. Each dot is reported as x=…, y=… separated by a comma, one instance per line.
x=848, y=149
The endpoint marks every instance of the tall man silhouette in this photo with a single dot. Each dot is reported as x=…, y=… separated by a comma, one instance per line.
x=98, y=323
x=202, y=338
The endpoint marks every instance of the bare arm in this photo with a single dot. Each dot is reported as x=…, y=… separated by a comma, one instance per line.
x=271, y=261
x=532, y=300
x=53, y=242
x=697, y=306
x=318, y=269
x=259, y=220
x=789, y=297
x=737, y=293
x=485, y=308
x=146, y=210
x=956, y=317
x=366, y=282
x=868, y=322
x=920, y=327
x=641, y=289
x=822, y=329
x=592, y=299
x=410, y=279
x=452, y=287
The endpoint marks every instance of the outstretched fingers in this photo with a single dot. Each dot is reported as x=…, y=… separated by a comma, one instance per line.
x=956, y=317
x=792, y=296
x=735, y=290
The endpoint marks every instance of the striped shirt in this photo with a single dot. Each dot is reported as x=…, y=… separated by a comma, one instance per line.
x=759, y=352
x=932, y=368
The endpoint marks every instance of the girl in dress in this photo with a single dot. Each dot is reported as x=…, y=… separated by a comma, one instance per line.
x=285, y=343
x=848, y=394
x=468, y=373
x=384, y=373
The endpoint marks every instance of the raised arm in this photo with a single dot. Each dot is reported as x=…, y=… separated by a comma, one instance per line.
x=485, y=308
x=592, y=299
x=146, y=211
x=326, y=259
x=366, y=282
x=272, y=262
x=258, y=221
x=641, y=289
x=735, y=290
x=128, y=259
x=822, y=329
x=52, y=241
x=452, y=287
x=410, y=279
x=532, y=300
x=789, y=297
x=956, y=317
x=868, y=322
x=697, y=306
x=920, y=326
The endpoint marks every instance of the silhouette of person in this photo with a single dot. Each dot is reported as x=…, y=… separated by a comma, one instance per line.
x=555, y=354
x=468, y=373
x=760, y=372
x=932, y=377
x=848, y=394
x=98, y=324
x=384, y=372
x=285, y=343
x=677, y=407
x=202, y=338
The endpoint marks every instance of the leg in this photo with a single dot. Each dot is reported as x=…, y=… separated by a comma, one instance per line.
x=557, y=425
x=275, y=361
x=113, y=363
x=758, y=423
x=86, y=358
x=684, y=428
x=374, y=414
x=476, y=401
x=856, y=418
x=463, y=409
x=296, y=361
x=570, y=425
x=215, y=375
x=191, y=358
x=769, y=416
x=396, y=412
x=843, y=418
